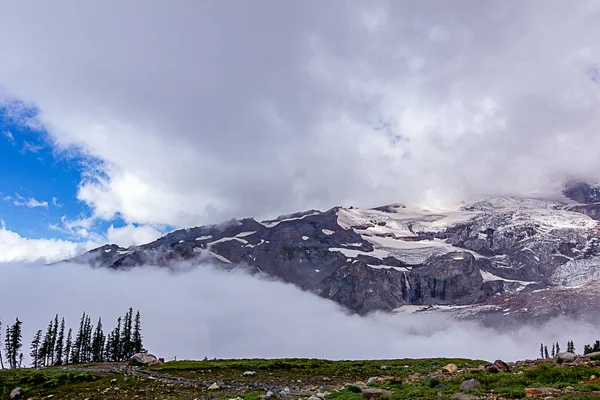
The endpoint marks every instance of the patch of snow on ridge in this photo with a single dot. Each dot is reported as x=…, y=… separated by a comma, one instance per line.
x=377, y=253
x=244, y=234
x=327, y=232
x=488, y=276
x=219, y=257
x=204, y=237
x=577, y=272
x=270, y=224
x=305, y=237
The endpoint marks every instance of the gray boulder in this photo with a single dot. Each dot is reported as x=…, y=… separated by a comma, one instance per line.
x=566, y=356
x=469, y=384
x=142, y=359
x=15, y=393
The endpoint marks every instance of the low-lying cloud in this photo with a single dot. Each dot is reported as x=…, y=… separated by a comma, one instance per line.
x=209, y=312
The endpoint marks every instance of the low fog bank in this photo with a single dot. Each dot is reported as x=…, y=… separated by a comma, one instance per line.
x=208, y=312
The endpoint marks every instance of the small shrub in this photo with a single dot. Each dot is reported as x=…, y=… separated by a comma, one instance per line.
x=433, y=383
x=354, y=389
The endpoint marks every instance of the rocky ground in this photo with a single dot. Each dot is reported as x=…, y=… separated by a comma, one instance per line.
x=290, y=379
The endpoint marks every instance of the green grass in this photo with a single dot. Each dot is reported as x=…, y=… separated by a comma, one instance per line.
x=294, y=373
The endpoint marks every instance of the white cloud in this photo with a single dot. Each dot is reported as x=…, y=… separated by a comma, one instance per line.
x=30, y=147
x=130, y=235
x=254, y=318
x=14, y=247
x=20, y=201
x=9, y=136
x=209, y=115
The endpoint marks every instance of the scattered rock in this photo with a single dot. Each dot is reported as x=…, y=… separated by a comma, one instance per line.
x=451, y=368
x=543, y=391
x=269, y=396
x=15, y=393
x=376, y=393
x=249, y=373
x=501, y=366
x=463, y=396
x=469, y=384
x=566, y=356
x=113, y=381
x=372, y=379
x=384, y=367
x=214, y=386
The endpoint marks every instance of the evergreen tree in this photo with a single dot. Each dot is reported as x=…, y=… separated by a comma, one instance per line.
x=35, y=349
x=98, y=343
x=546, y=352
x=8, y=346
x=60, y=343
x=126, y=339
x=78, y=344
x=542, y=350
x=587, y=349
x=1, y=361
x=87, y=340
x=68, y=345
x=108, y=348
x=53, y=341
x=137, y=333
x=13, y=344
x=553, y=350
x=557, y=348
x=116, y=342
x=47, y=350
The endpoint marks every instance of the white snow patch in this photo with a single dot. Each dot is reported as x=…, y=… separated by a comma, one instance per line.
x=327, y=231
x=123, y=252
x=219, y=257
x=353, y=244
x=181, y=241
x=270, y=224
x=377, y=253
x=204, y=237
x=305, y=237
x=317, y=270
x=488, y=276
x=244, y=234
x=107, y=250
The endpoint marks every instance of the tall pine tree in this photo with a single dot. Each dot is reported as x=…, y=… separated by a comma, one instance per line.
x=53, y=341
x=68, y=345
x=47, y=350
x=13, y=339
x=76, y=353
x=1, y=361
x=116, y=342
x=35, y=349
x=126, y=339
x=98, y=343
x=60, y=343
x=108, y=347
x=8, y=346
x=137, y=333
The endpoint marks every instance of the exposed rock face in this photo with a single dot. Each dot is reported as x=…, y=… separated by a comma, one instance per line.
x=483, y=255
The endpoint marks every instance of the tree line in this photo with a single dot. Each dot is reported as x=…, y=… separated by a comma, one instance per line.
x=90, y=344
x=587, y=349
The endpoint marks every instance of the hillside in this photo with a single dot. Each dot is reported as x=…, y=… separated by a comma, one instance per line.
x=288, y=379
x=478, y=260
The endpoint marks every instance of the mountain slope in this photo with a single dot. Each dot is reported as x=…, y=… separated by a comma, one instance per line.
x=393, y=256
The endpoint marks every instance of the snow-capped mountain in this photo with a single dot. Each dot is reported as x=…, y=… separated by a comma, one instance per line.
x=474, y=258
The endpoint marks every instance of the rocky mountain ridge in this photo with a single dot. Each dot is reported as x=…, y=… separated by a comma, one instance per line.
x=472, y=259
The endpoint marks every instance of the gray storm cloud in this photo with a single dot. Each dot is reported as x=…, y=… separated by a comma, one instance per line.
x=201, y=111
x=203, y=311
